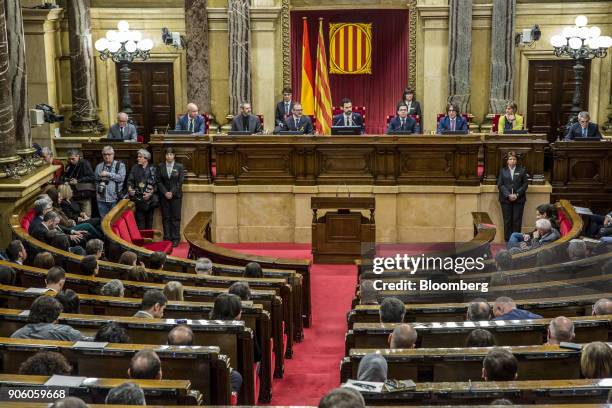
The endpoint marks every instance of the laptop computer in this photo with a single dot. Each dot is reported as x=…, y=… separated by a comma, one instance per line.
x=346, y=130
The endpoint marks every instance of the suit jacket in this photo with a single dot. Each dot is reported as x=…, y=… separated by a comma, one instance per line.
x=129, y=132
x=254, y=124
x=174, y=183
x=552, y=236
x=304, y=125
x=143, y=314
x=415, y=108
x=357, y=119
x=507, y=185
x=575, y=131
x=409, y=124
x=199, y=125
x=34, y=224
x=41, y=233
x=445, y=124
x=279, y=112
x=518, y=123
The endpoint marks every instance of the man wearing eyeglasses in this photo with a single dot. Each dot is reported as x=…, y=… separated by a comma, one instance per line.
x=583, y=129
x=299, y=122
x=110, y=177
x=122, y=130
x=452, y=121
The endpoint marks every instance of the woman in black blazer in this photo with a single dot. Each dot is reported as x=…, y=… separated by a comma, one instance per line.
x=414, y=108
x=512, y=184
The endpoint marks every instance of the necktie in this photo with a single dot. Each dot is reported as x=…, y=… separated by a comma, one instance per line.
x=346, y=120
x=402, y=123
x=121, y=132
x=452, y=124
x=190, y=125
x=583, y=132
x=286, y=108
x=297, y=121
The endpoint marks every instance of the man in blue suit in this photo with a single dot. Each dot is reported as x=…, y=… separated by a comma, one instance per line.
x=192, y=121
x=402, y=121
x=348, y=117
x=452, y=121
x=583, y=129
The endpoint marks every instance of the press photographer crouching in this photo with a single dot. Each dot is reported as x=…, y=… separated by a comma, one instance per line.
x=110, y=178
x=142, y=189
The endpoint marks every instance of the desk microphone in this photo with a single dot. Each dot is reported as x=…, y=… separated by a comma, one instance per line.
x=167, y=128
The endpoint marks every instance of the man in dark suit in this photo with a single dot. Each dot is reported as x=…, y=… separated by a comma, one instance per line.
x=402, y=121
x=122, y=130
x=453, y=121
x=192, y=121
x=298, y=122
x=245, y=120
x=512, y=184
x=583, y=129
x=284, y=107
x=348, y=117
x=170, y=186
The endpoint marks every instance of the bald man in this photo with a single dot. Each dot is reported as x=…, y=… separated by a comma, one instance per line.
x=192, y=121
x=560, y=329
x=602, y=307
x=180, y=336
x=403, y=336
x=122, y=130
x=145, y=365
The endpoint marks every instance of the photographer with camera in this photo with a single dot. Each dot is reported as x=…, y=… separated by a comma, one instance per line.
x=110, y=178
x=80, y=176
x=142, y=189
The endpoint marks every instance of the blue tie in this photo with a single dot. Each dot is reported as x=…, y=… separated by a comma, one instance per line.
x=584, y=132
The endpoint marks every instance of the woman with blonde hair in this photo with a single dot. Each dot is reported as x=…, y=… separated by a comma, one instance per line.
x=596, y=360
x=70, y=208
x=510, y=120
x=174, y=291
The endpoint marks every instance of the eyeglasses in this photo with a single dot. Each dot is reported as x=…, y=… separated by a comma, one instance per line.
x=107, y=154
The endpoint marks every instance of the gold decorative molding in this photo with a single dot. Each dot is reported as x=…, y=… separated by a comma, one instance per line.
x=286, y=40
x=412, y=34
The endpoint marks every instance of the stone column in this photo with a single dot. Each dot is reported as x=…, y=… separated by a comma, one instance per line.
x=198, y=58
x=459, y=53
x=239, y=34
x=502, y=55
x=7, y=124
x=17, y=76
x=84, y=117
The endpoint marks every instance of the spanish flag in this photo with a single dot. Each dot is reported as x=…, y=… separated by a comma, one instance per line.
x=307, y=92
x=323, y=104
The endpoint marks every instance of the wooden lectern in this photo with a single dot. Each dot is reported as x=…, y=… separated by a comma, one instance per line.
x=341, y=236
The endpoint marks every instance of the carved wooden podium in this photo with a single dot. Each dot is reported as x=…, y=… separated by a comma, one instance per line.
x=341, y=236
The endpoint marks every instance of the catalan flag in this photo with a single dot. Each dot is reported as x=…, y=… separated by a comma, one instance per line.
x=350, y=48
x=323, y=100
x=307, y=92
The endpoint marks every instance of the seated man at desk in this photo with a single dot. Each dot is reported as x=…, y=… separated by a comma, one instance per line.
x=583, y=129
x=245, y=121
x=403, y=122
x=122, y=130
x=192, y=121
x=348, y=117
x=452, y=121
x=298, y=122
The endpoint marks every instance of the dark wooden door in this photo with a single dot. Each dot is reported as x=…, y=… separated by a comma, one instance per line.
x=551, y=89
x=152, y=94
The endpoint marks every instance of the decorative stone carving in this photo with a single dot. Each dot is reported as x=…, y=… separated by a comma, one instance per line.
x=459, y=53
x=198, y=57
x=239, y=33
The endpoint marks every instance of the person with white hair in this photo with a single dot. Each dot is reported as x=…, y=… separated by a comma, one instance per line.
x=142, y=189
x=192, y=121
x=544, y=234
x=204, y=266
x=123, y=129
x=110, y=176
x=46, y=153
x=560, y=329
x=576, y=249
x=583, y=128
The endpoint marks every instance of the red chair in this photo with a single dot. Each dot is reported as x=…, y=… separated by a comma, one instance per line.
x=261, y=120
x=357, y=109
x=313, y=119
x=495, y=123
x=27, y=219
x=207, y=120
x=565, y=225
x=128, y=231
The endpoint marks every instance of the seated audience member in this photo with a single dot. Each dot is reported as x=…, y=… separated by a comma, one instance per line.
x=204, y=266
x=48, y=229
x=403, y=336
x=145, y=365
x=545, y=234
x=41, y=207
x=42, y=322
x=505, y=309
x=510, y=120
x=174, y=291
x=342, y=398
x=8, y=276
x=70, y=301
x=602, y=307
x=478, y=310
x=545, y=257
x=576, y=250
x=547, y=211
x=403, y=122
x=72, y=210
x=604, y=233
x=367, y=294
x=240, y=289
x=348, y=117
x=372, y=367
x=44, y=260
x=180, y=335
x=137, y=273
x=70, y=402
x=596, y=360
x=452, y=121
x=122, y=130
x=392, y=310
x=499, y=365
x=560, y=329
x=47, y=155
x=45, y=363
x=583, y=128
x=192, y=121
x=253, y=270
x=297, y=121
x=59, y=240
x=480, y=338
x=112, y=333
x=128, y=258
x=113, y=288
x=56, y=278
x=226, y=307
x=157, y=260
x=126, y=394
x=246, y=121
x=503, y=260
x=95, y=247
x=89, y=265
x=152, y=305
x=16, y=252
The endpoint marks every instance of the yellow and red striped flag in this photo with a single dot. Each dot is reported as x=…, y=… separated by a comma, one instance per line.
x=323, y=100
x=307, y=92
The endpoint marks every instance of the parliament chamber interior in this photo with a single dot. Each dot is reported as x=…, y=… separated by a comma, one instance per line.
x=332, y=204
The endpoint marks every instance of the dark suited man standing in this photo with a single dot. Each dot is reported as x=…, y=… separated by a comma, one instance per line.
x=512, y=184
x=245, y=121
x=298, y=122
x=348, y=117
x=583, y=129
x=170, y=185
x=284, y=107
